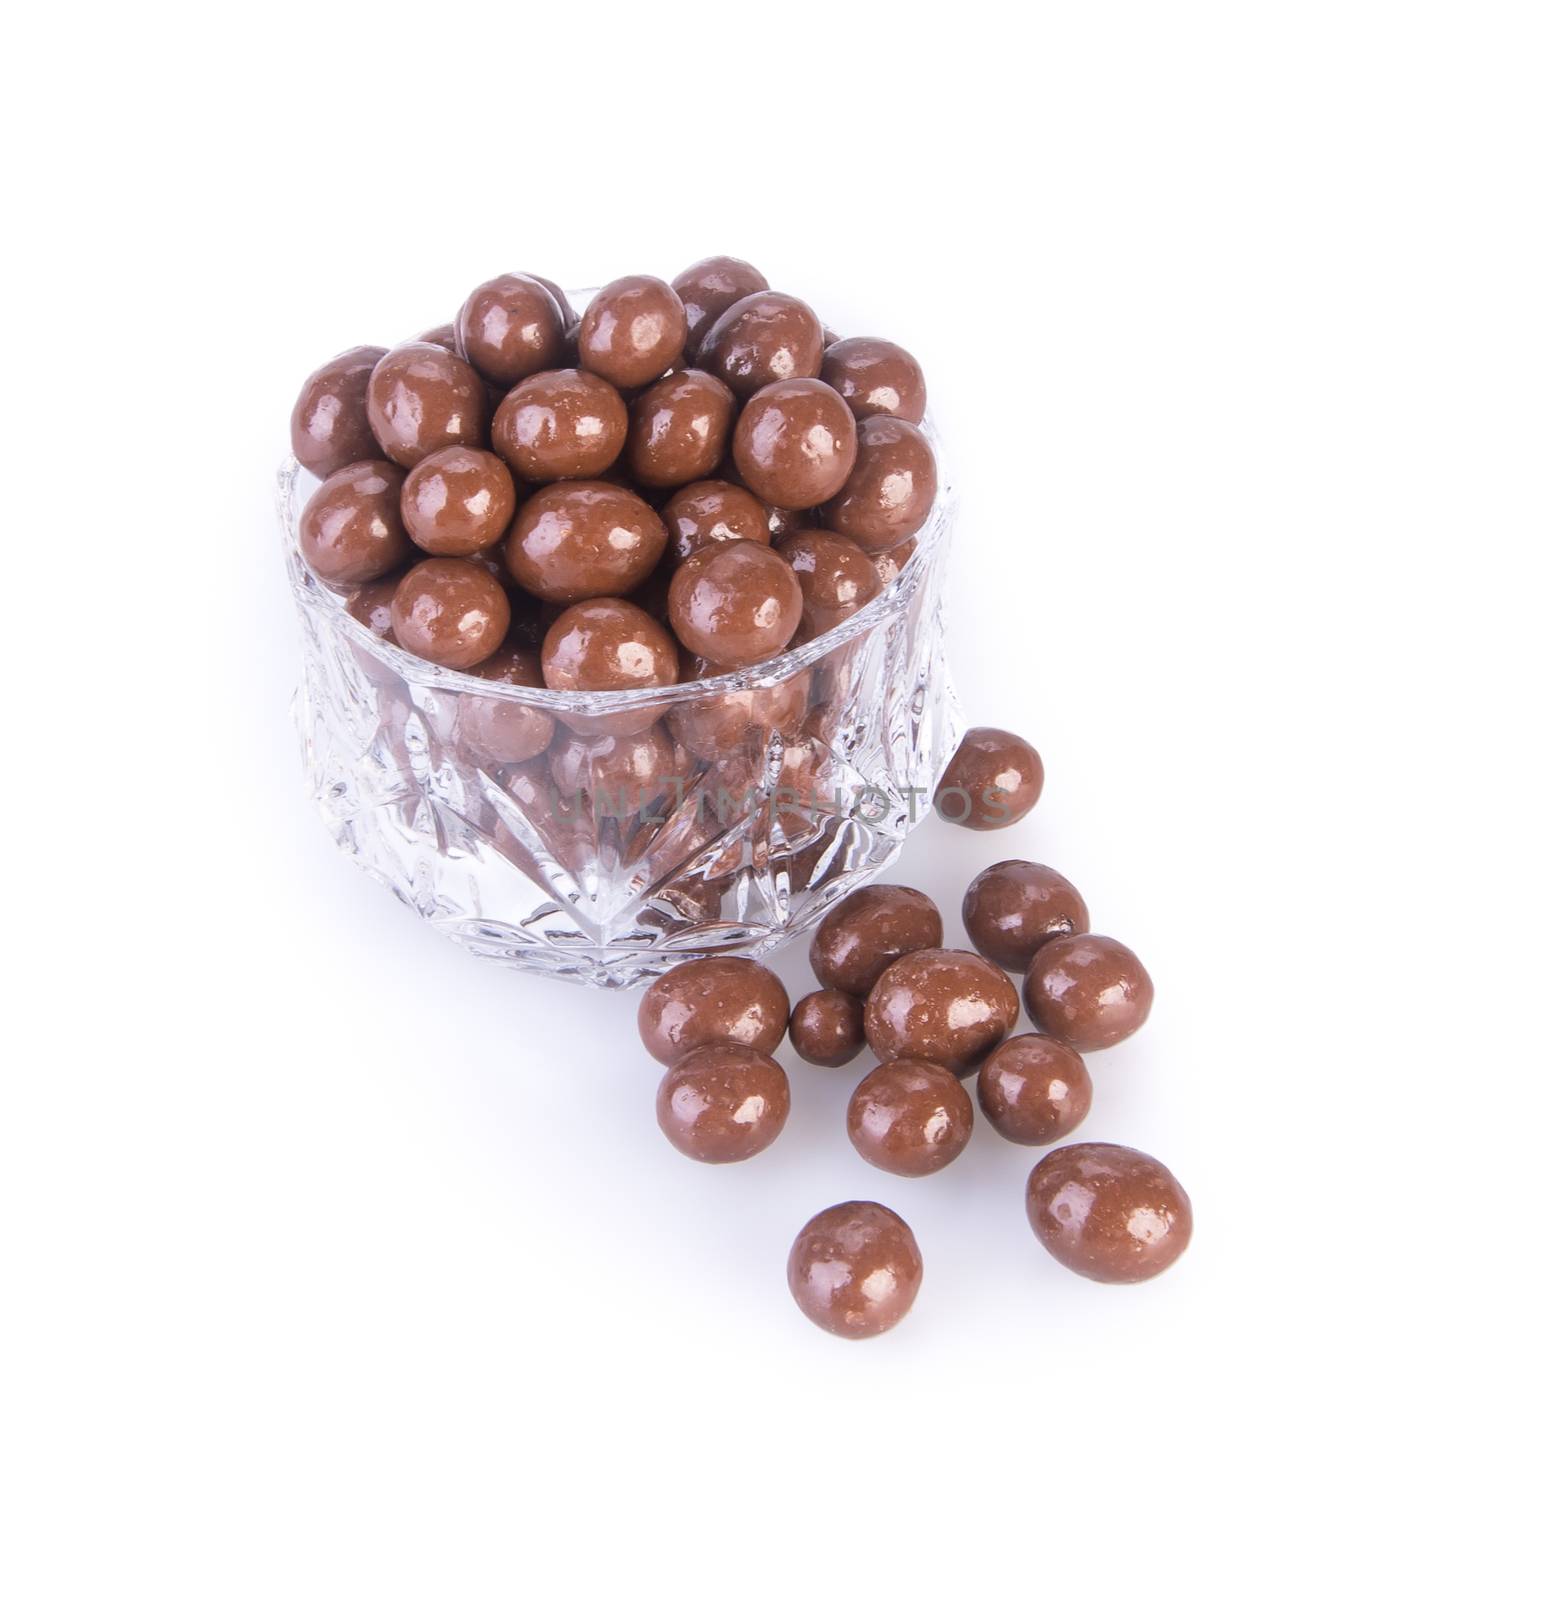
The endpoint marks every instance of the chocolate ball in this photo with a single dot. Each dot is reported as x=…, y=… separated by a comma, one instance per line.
x=506, y=730
x=948, y=1006
x=712, y=512
x=1088, y=990
x=444, y=334
x=579, y=541
x=707, y=288
x=509, y=328
x=329, y=426
x=762, y=339
x=458, y=501
x=421, y=399
x=626, y=777
x=450, y=612
x=876, y=378
x=713, y=725
x=1107, y=1212
x=723, y=1102
x=859, y=937
x=632, y=331
x=909, y=1117
x=836, y=577
x=891, y=489
x=993, y=780
x=890, y=564
x=827, y=1027
x=679, y=428
x=1034, y=1090
x=735, y=603
x=602, y=645
x=855, y=1269
x=1012, y=908
x=350, y=530
x=563, y=424
x=713, y=1000
x=373, y=607
x=559, y=295
x=795, y=443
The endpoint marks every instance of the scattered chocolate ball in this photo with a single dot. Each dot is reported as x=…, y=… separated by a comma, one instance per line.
x=796, y=444
x=723, y=1102
x=836, y=577
x=1034, y=1090
x=1013, y=908
x=506, y=730
x=947, y=1006
x=450, y=612
x=735, y=603
x=509, y=328
x=579, y=541
x=1088, y=990
x=707, y=288
x=329, y=426
x=351, y=530
x=716, y=724
x=607, y=644
x=626, y=777
x=909, y=1117
x=993, y=780
x=712, y=512
x=855, y=1269
x=764, y=338
x=561, y=424
x=827, y=1027
x=632, y=331
x=891, y=488
x=1107, y=1212
x=859, y=937
x=876, y=378
x=458, y=501
x=679, y=428
x=421, y=399
x=713, y=1000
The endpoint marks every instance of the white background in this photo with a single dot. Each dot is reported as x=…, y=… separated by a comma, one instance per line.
x=337, y=1264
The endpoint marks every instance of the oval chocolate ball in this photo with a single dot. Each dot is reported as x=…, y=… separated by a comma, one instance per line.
x=859, y=937
x=1087, y=990
x=765, y=338
x=909, y=1117
x=735, y=603
x=598, y=646
x=1107, y=1212
x=562, y=424
x=891, y=489
x=836, y=576
x=509, y=328
x=632, y=331
x=876, y=378
x=827, y=1027
x=993, y=780
x=506, y=730
x=1013, y=908
x=578, y=541
x=458, y=501
x=855, y=1269
x=1034, y=1090
x=722, y=1102
x=329, y=426
x=947, y=1006
x=351, y=531
x=796, y=443
x=679, y=428
x=713, y=1000
x=421, y=399
x=712, y=512
x=450, y=612
x=707, y=288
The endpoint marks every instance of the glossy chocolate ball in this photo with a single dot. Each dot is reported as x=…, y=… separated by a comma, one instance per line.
x=506, y=730
x=909, y=1117
x=373, y=607
x=713, y=1000
x=827, y=1027
x=714, y=725
x=890, y=564
x=1088, y=990
x=723, y=1102
x=509, y=328
x=993, y=780
x=1107, y=1212
x=855, y=1269
x=350, y=530
x=836, y=577
x=712, y=512
x=891, y=489
x=762, y=339
x=450, y=612
x=948, y=1006
x=876, y=378
x=563, y=424
x=626, y=777
x=421, y=399
x=444, y=334
x=707, y=288
x=795, y=443
x=329, y=427
x=735, y=603
x=632, y=331
x=578, y=541
x=559, y=295
x=599, y=646
x=1012, y=908
x=861, y=936
x=458, y=501
x=1034, y=1090
x=679, y=428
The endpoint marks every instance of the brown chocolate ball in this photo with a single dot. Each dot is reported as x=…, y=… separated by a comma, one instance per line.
x=421, y=399
x=735, y=603
x=891, y=488
x=1107, y=1212
x=329, y=427
x=458, y=501
x=855, y=1269
x=795, y=443
x=373, y=606
x=506, y=730
x=993, y=780
x=350, y=530
x=562, y=424
x=627, y=777
x=836, y=576
x=859, y=937
x=827, y=1027
x=1012, y=908
x=509, y=328
x=707, y=288
x=444, y=334
x=602, y=645
x=909, y=1117
x=890, y=564
x=762, y=339
x=1088, y=990
x=632, y=331
x=876, y=378
x=711, y=512
x=1034, y=1090
x=578, y=541
x=714, y=725
x=948, y=1006
x=559, y=295
x=679, y=428
x=713, y=1000
x=723, y=1102
x=450, y=612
